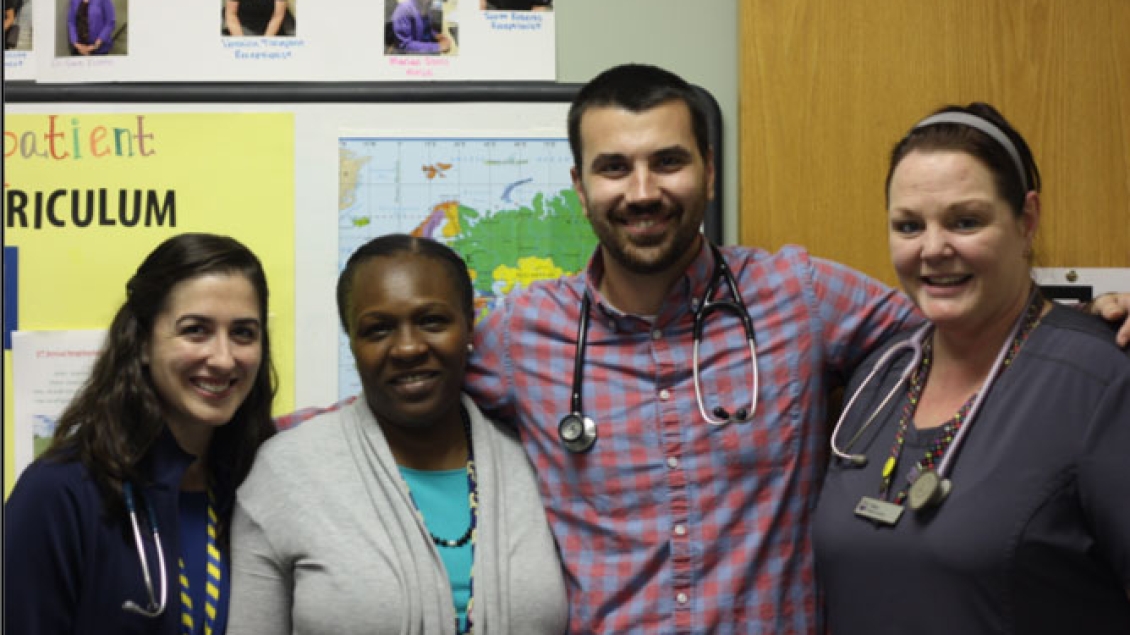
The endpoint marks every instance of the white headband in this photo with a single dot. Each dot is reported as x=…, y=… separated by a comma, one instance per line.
x=985, y=126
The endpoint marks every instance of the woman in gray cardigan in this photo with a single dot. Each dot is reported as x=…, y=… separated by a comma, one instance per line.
x=404, y=511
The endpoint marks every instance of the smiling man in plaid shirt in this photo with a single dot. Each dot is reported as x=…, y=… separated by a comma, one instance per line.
x=669, y=523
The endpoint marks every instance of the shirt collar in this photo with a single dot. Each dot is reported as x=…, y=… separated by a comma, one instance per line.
x=683, y=298
x=167, y=461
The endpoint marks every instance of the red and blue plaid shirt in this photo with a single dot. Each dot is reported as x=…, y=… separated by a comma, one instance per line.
x=670, y=524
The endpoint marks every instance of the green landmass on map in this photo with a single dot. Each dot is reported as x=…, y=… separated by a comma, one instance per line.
x=546, y=239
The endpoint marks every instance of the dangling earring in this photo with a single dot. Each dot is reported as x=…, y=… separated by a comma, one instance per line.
x=470, y=348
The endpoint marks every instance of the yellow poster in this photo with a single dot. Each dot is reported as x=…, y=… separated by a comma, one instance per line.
x=87, y=196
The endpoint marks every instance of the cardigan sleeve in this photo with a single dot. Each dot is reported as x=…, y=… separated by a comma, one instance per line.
x=408, y=27
x=262, y=585
x=72, y=25
x=109, y=22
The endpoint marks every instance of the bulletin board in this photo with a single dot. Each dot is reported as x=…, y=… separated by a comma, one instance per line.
x=317, y=41
x=366, y=157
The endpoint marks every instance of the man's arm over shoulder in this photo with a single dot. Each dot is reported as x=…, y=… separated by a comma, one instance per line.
x=858, y=314
x=488, y=379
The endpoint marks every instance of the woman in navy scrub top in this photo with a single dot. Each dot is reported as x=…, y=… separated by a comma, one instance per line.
x=945, y=513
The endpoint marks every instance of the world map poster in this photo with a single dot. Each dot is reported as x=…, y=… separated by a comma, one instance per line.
x=506, y=205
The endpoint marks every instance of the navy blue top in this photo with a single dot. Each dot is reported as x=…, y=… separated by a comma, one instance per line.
x=1034, y=538
x=194, y=548
x=68, y=569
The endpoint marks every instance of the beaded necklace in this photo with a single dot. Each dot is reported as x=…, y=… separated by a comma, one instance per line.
x=469, y=535
x=943, y=439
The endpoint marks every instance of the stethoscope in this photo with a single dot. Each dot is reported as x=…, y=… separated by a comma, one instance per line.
x=931, y=487
x=153, y=608
x=578, y=432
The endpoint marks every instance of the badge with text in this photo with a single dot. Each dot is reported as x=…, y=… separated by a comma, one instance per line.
x=879, y=511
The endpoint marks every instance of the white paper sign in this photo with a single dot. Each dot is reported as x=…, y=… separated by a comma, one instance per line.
x=48, y=367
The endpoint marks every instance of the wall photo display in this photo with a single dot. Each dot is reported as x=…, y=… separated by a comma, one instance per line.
x=287, y=40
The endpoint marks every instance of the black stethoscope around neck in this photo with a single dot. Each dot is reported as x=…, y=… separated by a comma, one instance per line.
x=577, y=432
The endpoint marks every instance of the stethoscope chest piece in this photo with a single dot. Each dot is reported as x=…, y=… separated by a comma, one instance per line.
x=577, y=432
x=928, y=490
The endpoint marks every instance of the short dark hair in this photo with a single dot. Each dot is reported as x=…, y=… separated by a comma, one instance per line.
x=391, y=244
x=964, y=138
x=636, y=88
x=117, y=415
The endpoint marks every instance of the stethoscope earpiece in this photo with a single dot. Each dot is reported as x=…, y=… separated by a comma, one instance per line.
x=741, y=416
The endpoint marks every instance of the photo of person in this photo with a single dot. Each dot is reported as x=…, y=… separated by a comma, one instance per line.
x=259, y=18
x=516, y=5
x=93, y=27
x=17, y=25
x=417, y=27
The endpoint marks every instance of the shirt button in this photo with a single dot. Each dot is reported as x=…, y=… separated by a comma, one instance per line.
x=656, y=334
x=694, y=303
x=680, y=530
x=672, y=462
x=664, y=394
x=681, y=598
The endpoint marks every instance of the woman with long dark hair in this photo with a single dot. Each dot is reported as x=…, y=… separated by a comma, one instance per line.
x=122, y=525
